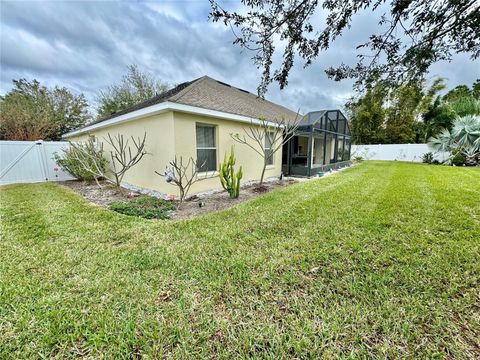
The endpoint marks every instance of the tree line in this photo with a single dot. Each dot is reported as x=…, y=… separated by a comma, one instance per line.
x=32, y=111
x=410, y=113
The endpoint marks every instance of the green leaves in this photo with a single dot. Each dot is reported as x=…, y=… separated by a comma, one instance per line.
x=134, y=87
x=31, y=111
x=411, y=36
x=147, y=207
x=84, y=160
x=463, y=139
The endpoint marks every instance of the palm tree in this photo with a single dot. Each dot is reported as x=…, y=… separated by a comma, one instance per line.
x=466, y=131
x=464, y=138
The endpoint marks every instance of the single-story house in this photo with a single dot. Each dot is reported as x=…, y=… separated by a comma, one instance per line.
x=192, y=120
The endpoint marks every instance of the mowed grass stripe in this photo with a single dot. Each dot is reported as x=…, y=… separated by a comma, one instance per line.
x=379, y=261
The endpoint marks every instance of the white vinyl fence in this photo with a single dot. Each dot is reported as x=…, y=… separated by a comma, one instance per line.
x=400, y=152
x=31, y=161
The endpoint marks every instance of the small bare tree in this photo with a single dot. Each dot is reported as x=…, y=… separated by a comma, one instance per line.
x=182, y=175
x=89, y=156
x=123, y=156
x=276, y=133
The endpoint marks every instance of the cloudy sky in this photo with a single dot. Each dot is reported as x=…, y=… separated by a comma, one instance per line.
x=87, y=46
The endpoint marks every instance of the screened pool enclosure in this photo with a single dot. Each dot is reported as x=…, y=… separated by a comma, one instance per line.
x=321, y=142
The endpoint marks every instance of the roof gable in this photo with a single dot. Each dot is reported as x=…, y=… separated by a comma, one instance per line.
x=209, y=93
x=212, y=94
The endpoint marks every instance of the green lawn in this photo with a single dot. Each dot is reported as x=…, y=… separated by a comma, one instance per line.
x=381, y=260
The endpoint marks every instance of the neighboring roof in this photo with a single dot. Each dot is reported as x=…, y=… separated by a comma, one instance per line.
x=209, y=93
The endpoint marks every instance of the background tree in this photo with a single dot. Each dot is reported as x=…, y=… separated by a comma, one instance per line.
x=458, y=102
x=466, y=106
x=31, y=111
x=367, y=116
x=461, y=91
x=412, y=35
x=476, y=89
x=134, y=87
x=402, y=113
x=439, y=116
x=386, y=115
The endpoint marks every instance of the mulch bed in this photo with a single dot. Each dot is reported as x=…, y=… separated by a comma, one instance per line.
x=193, y=207
x=103, y=196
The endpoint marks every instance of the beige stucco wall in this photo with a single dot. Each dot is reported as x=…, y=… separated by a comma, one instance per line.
x=174, y=133
x=185, y=145
x=159, y=145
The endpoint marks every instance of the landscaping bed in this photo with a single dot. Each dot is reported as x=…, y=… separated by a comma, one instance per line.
x=107, y=194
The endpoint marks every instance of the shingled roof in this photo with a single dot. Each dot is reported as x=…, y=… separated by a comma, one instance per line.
x=209, y=93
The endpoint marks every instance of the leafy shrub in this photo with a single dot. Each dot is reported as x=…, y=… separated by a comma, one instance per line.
x=427, y=158
x=147, y=207
x=85, y=161
x=458, y=158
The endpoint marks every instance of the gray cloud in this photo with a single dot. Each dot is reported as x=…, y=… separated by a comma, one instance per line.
x=86, y=46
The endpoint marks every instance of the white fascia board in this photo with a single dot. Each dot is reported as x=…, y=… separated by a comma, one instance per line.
x=164, y=107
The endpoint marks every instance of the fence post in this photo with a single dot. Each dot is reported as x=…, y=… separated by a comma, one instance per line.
x=43, y=158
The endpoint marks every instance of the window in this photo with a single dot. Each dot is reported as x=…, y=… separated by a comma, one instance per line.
x=269, y=137
x=206, y=148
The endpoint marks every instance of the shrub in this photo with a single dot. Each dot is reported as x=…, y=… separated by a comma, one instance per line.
x=147, y=207
x=84, y=161
x=427, y=158
x=357, y=158
x=458, y=158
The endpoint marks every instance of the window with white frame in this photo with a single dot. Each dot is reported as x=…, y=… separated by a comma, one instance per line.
x=206, y=147
x=269, y=137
